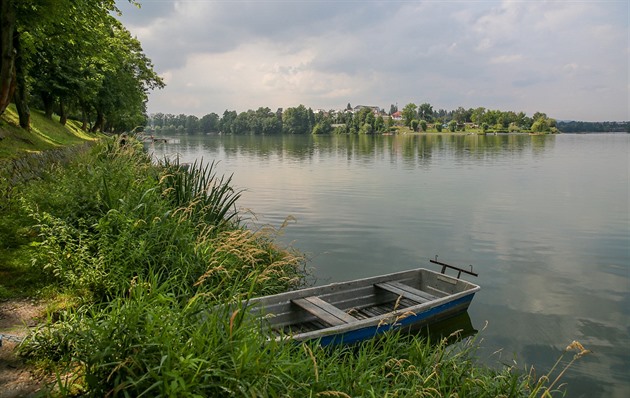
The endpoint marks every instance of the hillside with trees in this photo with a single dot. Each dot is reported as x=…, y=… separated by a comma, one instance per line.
x=75, y=59
x=594, y=127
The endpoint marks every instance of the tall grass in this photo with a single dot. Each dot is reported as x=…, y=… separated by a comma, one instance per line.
x=197, y=188
x=150, y=343
x=113, y=216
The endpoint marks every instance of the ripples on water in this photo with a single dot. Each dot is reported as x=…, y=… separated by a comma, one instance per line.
x=543, y=219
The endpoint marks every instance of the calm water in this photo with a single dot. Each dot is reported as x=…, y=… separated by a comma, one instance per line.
x=544, y=220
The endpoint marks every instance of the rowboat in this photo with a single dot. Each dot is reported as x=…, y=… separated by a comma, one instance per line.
x=349, y=312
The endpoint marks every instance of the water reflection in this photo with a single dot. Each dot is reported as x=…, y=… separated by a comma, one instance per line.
x=454, y=329
x=411, y=150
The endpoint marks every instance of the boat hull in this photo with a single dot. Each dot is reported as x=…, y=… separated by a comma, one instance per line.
x=349, y=312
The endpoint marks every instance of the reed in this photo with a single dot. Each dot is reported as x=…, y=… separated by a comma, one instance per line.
x=197, y=188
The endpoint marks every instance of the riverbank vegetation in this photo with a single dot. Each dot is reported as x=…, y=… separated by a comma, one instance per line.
x=358, y=120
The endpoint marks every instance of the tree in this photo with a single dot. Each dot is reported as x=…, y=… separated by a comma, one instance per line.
x=121, y=101
x=366, y=129
x=414, y=125
x=157, y=119
x=225, y=125
x=461, y=115
x=452, y=125
x=76, y=46
x=209, y=123
x=476, y=115
x=393, y=109
x=192, y=124
x=423, y=125
x=296, y=120
x=425, y=112
x=409, y=113
x=7, y=53
x=379, y=124
x=543, y=124
x=323, y=127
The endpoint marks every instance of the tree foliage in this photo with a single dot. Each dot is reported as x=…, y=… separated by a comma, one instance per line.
x=73, y=57
x=409, y=113
x=366, y=120
x=298, y=120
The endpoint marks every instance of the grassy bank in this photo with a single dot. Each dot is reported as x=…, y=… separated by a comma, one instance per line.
x=45, y=134
x=131, y=256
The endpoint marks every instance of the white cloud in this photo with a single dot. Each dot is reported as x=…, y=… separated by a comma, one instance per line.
x=509, y=55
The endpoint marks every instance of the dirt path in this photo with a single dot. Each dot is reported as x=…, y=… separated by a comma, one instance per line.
x=16, y=379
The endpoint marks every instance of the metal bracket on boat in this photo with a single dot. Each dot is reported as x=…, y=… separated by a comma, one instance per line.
x=459, y=270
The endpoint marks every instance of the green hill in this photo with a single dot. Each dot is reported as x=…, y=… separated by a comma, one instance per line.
x=45, y=134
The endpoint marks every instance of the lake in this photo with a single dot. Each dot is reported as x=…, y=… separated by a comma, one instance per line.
x=544, y=220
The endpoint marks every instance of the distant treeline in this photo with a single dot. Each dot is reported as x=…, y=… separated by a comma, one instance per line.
x=357, y=120
x=594, y=127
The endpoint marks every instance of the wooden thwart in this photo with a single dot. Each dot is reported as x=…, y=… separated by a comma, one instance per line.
x=406, y=291
x=324, y=310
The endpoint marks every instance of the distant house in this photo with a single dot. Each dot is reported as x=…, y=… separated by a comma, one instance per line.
x=397, y=115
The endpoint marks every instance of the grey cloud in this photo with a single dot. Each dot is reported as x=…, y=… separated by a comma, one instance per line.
x=492, y=54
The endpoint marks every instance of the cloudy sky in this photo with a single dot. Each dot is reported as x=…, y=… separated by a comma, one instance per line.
x=568, y=59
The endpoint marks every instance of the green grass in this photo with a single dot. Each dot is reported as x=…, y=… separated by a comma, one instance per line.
x=45, y=134
x=18, y=278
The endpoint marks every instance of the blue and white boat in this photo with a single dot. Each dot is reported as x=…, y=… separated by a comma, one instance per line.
x=349, y=312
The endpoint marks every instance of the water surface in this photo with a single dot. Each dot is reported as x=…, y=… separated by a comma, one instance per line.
x=543, y=219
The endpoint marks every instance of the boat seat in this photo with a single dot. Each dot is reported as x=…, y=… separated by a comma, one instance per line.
x=324, y=310
x=406, y=291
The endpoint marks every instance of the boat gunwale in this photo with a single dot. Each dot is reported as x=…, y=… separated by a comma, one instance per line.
x=388, y=320
x=378, y=320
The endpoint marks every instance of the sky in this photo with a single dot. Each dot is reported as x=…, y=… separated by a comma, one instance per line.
x=568, y=59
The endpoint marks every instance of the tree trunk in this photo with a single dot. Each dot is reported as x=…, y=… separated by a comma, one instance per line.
x=21, y=91
x=63, y=117
x=84, y=122
x=98, y=124
x=49, y=104
x=7, y=53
